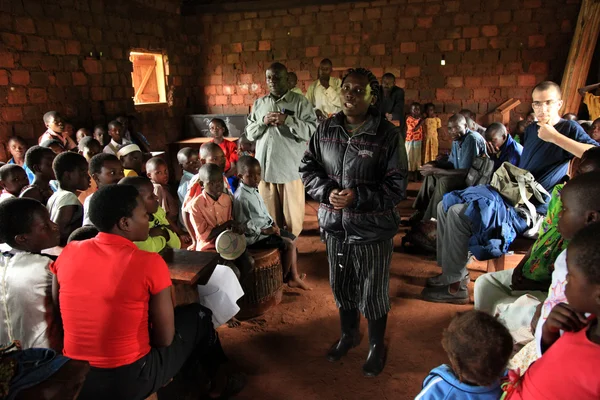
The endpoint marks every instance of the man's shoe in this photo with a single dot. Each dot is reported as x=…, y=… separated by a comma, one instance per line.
x=437, y=281
x=376, y=358
x=350, y=322
x=443, y=295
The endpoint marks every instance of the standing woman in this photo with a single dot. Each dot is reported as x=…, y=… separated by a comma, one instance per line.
x=356, y=167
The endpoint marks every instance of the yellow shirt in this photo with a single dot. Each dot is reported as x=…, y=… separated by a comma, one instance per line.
x=129, y=172
x=593, y=104
x=431, y=126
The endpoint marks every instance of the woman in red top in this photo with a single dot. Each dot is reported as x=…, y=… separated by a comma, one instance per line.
x=117, y=311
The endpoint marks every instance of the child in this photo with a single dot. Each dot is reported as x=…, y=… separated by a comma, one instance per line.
x=68, y=134
x=292, y=82
x=160, y=235
x=81, y=133
x=17, y=148
x=39, y=159
x=478, y=348
x=433, y=129
x=520, y=131
x=218, y=130
x=53, y=145
x=105, y=169
x=28, y=313
x=189, y=160
x=12, y=181
x=261, y=230
x=71, y=171
x=55, y=127
x=246, y=147
x=88, y=147
x=595, y=130
x=115, y=131
x=132, y=159
x=569, y=365
x=158, y=172
x=100, y=135
x=414, y=138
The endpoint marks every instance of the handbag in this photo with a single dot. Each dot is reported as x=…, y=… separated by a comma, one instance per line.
x=481, y=172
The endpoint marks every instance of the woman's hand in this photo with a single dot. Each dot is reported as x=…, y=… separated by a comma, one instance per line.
x=341, y=199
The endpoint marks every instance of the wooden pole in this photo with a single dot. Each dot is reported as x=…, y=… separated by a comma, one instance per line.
x=580, y=54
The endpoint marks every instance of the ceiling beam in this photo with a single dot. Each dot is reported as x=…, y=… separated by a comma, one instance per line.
x=196, y=8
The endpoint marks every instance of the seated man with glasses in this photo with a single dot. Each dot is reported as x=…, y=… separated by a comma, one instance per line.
x=548, y=146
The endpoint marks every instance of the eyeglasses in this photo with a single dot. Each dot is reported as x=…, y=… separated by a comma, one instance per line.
x=540, y=104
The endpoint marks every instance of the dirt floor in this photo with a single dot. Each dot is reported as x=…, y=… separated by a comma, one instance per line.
x=283, y=352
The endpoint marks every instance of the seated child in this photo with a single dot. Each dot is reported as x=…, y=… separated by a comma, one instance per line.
x=189, y=160
x=17, y=149
x=88, y=147
x=520, y=131
x=595, y=130
x=68, y=134
x=105, y=169
x=246, y=147
x=28, y=313
x=71, y=171
x=12, y=181
x=160, y=235
x=53, y=145
x=261, y=230
x=100, y=134
x=568, y=366
x=115, y=131
x=39, y=159
x=431, y=132
x=478, y=347
x=158, y=172
x=136, y=311
x=132, y=159
x=81, y=133
x=219, y=130
x=211, y=213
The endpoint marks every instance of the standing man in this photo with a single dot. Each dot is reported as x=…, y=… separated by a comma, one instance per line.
x=391, y=103
x=281, y=123
x=324, y=93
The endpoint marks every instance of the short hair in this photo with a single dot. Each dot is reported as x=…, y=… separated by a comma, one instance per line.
x=51, y=142
x=389, y=75
x=584, y=251
x=326, y=61
x=522, y=123
x=209, y=148
x=111, y=203
x=184, y=154
x=414, y=103
x=7, y=170
x=458, y=118
x=495, y=129
x=245, y=163
x=138, y=182
x=223, y=124
x=568, y=114
x=277, y=66
x=67, y=162
x=97, y=162
x=114, y=124
x=210, y=172
x=34, y=155
x=100, y=126
x=50, y=115
x=86, y=142
x=478, y=347
x=373, y=82
x=17, y=139
x=292, y=74
x=427, y=105
x=586, y=125
x=467, y=112
x=83, y=233
x=545, y=85
x=154, y=162
x=586, y=188
x=16, y=218
x=591, y=156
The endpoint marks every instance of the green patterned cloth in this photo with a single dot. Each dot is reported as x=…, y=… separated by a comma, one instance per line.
x=549, y=244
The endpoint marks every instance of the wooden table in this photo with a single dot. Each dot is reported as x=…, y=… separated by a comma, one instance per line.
x=188, y=269
x=201, y=140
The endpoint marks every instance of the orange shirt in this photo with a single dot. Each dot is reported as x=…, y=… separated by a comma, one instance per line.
x=206, y=214
x=413, y=134
x=105, y=285
x=230, y=150
x=84, y=194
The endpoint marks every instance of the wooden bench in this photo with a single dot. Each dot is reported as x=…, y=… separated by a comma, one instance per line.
x=188, y=269
x=519, y=245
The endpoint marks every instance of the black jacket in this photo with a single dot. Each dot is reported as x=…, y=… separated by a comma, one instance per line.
x=373, y=162
x=394, y=104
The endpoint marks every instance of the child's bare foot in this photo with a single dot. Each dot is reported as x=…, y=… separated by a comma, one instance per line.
x=298, y=282
x=233, y=323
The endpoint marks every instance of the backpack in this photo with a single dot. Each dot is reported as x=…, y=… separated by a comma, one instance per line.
x=480, y=172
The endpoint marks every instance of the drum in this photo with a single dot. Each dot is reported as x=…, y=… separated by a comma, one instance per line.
x=263, y=288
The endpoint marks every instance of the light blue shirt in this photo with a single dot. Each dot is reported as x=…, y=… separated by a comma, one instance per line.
x=466, y=149
x=30, y=174
x=441, y=383
x=249, y=209
x=181, y=191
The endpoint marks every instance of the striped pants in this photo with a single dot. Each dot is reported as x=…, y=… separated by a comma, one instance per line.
x=359, y=275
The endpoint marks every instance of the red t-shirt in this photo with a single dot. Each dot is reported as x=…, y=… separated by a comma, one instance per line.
x=230, y=150
x=105, y=286
x=567, y=370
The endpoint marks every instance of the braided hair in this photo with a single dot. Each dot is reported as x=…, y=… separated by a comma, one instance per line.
x=373, y=82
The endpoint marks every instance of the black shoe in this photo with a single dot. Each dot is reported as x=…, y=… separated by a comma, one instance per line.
x=436, y=281
x=350, y=322
x=377, y=352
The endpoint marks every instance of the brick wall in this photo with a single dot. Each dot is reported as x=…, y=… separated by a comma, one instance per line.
x=494, y=49
x=45, y=64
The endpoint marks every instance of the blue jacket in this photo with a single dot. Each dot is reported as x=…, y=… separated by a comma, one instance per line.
x=442, y=384
x=495, y=223
x=510, y=152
